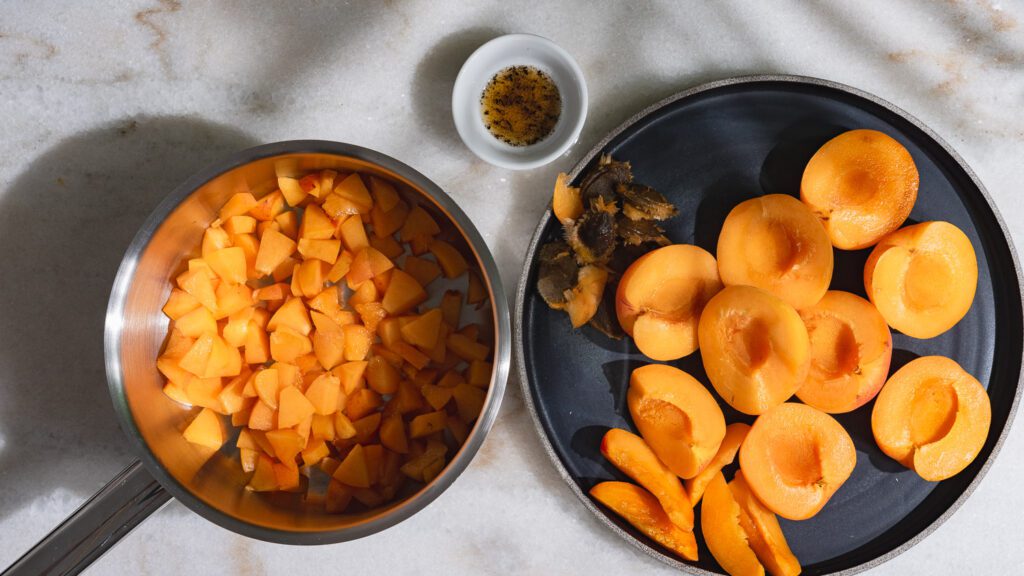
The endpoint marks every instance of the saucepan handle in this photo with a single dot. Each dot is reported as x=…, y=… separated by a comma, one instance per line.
x=96, y=526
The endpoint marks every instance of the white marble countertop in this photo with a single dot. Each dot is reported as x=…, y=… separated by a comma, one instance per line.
x=103, y=109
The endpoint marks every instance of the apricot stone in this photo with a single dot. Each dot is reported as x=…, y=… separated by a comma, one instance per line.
x=677, y=417
x=661, y=296
x=851, y=347
x=922, y=278
x=755, y=348
x=775, y=243
x=862, y=184
x=795, y=457
x=933, y=417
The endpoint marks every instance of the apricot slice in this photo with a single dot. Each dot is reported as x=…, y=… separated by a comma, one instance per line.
x=851, y=347
x=566, y=202
x=862, y=184
x=661, y=296
x=755, y=348
x=677, y=417
x=795, y=457
x=922, y=278
x=638, y=507
x=630, y=454
x=775, y=243
x=726, y=539
x=933, y=417
x=735, y=434
x=763, y=531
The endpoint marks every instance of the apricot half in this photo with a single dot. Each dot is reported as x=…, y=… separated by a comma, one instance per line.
x=922, y=278
x=630, y=454
x=661, y=296
x=933, y=417
x=677, y=417
x=775, y=243
x=862, y=184
x=851, y=347
x=795, y=457
x=755, y=348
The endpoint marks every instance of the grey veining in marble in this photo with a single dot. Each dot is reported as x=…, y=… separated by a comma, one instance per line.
x=104, y=107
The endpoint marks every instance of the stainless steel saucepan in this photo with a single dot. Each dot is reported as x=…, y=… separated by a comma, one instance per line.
x=135, y=329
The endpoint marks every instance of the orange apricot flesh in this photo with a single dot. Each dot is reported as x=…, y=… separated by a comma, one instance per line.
x=932, y=417
x=660, y=298
x=755, y=348
x=851, y=348
x=677, y=417
x=734, y=435
x=726, y=539
x=638, y=507
x=922, y=278
x=775, y=243
x=862, y=184
x=763, y=531
x=795, y=458
x=630, y=454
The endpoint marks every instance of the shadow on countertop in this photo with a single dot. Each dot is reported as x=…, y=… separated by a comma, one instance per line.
x=65, y=223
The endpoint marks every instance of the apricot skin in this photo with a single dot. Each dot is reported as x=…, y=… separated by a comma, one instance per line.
x=777, y=244
x=851, y=348
x=932, y=417
x=755, y=348
x=795, y=458
x=862, y=184
x=661, y=296
x=677, y=417
x=922, y=278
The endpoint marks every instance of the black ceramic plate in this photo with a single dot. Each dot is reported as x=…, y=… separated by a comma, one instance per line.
x=707, y=149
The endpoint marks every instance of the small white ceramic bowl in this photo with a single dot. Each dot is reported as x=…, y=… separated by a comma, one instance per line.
x=518, y=50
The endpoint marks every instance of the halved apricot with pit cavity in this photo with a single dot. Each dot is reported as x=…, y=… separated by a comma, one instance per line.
x=661, y=296
x=862, y=184
x=755, y=348
x=922, y=278
x=795, y=457
x=851, y=347
x=932, y=416
x=774, y=242
x=677, y=417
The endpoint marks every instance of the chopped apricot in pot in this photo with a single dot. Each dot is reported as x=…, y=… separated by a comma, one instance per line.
x=661, y=296
x=862, y=184
x=775, y=243
x=755, y=348
x=851, y=347
x=932, y=417
x=677, y=417
x=922, y=278
x=795, y=457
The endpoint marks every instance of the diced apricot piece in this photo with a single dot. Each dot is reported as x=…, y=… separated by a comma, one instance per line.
x=638, y=507
x=427, y=424
x=566, y=202
x=196, y=323
x=229, y=264
x=238, y=225
x=382, y=376
x=392, y=434
x=323, y=394
x=316, y=225
x=329, y=347
x=469, y=400
x=734, y=435
x=424, y=330
x=268, y=384
x=387, y=222
x=776, y=243
x=314, y=453
x=851, y=347
x=795, y=457
x=286, y=345
x=922, y=278
x=383, y=192
x=325, y=250
x=257, y=345
x=451, y=307
x=275, y=248
x=353, y=470
x=423, y=270
x=862, y=184
x=180, y=303
x=387, y=246
x=661, y=296
x=419, y=224
x=436, y=396
x=287, y=445
x=725, y=537
x=932, y=417
x=291, y=190
x=230, y=396
x=206, y=430
x=205, y=392
x=368, y=262
x=214, y=239
x=224, y=360
x=466, y=348
x=755, y=348
x=268, y=207
x=292, y=314
x=238, y=204
x=630, y=454
x=262, y=417
x=476, y=293
x=404, y=293
x=407, y=399
x=361, y=402
x=357, y=342
x=338, y=497
x=479, y=373
x=677, y=417
x=231, y=298
x=294, y=407
x=343, y=426
x=452, y=263
x=198, y=283
x=263, y=479
x=288, y=224
x=351, y=375
x=352, y=189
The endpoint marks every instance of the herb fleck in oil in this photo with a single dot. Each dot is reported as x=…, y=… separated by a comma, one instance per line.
x=521, y=105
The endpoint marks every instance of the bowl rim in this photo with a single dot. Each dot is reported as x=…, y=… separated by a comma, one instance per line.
x=405, y=508
x=494, y=47
x=523, y=289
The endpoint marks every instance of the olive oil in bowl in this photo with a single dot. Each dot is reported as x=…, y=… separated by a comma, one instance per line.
x=521, y=105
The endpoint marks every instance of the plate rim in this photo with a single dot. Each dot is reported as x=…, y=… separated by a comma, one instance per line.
x=522, y=288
